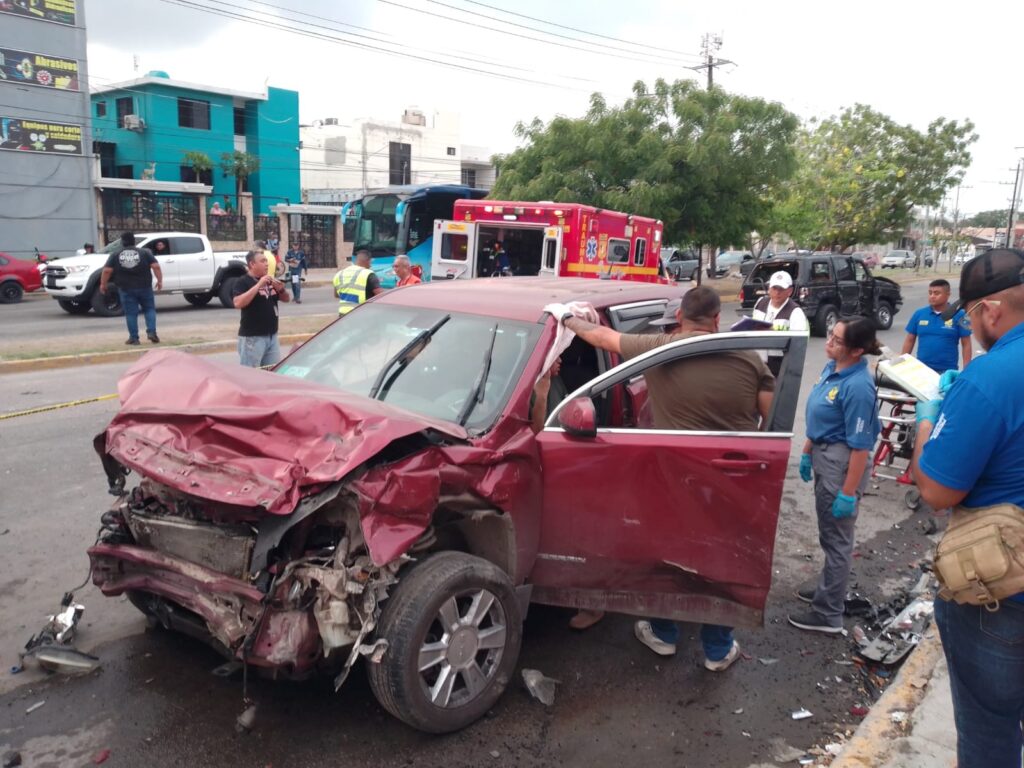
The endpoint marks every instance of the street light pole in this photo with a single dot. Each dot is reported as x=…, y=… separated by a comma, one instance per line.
x=1013, y=202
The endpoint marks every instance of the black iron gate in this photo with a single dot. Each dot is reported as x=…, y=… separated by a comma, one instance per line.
x=127, y=210
x=317, y=239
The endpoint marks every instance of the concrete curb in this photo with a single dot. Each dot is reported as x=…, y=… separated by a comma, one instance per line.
x=873, y=738
x=128, y=355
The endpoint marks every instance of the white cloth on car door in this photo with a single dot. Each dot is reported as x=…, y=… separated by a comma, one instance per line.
x=563, y=338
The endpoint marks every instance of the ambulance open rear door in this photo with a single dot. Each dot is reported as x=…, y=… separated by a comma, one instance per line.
x=455, y=251
x=551, y=254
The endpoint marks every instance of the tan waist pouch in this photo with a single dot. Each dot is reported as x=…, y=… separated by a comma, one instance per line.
x=980, y=559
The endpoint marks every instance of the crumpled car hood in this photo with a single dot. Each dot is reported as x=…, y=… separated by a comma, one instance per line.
x=242, y=436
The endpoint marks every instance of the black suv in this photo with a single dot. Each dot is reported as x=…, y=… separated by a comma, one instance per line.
x=828, y=287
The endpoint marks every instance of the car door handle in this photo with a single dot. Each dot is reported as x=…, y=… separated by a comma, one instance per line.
x=739, y=465
x=203, y=258
x=168, y=261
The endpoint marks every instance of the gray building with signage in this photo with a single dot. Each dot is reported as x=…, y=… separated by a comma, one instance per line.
x=46, y=162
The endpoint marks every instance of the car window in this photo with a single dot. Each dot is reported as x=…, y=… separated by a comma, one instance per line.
x=763, y=271
x=820, y=272
x=186, y=245
x=636, y=318
x=3, y=262
x=843, y=269
x=859, y=271
x=436, y=382
x=618, y=251
x=639, y=251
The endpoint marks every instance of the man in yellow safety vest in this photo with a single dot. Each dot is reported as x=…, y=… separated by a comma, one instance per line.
x=355, y=283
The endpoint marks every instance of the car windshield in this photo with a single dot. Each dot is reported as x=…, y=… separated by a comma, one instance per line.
x=436, y=379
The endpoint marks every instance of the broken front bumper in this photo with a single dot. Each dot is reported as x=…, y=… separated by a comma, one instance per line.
x=286, y=640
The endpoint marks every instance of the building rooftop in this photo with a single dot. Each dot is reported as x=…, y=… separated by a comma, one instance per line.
x=164, y=80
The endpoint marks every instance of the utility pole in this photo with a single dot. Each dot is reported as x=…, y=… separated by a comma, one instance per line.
x=709, y=47
x=1014, y=203
x=956, y=224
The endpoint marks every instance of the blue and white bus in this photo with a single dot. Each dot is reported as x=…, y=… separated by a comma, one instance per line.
x=400, y=219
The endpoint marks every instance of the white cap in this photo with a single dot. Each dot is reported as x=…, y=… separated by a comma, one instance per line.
x=781, y=279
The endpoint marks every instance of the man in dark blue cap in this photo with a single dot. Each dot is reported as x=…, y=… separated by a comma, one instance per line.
x=970, y=452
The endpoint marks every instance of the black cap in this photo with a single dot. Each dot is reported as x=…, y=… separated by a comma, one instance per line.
x=992, y=272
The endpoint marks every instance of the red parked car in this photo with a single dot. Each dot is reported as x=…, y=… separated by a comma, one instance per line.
x=17, y=277
x=383, y=495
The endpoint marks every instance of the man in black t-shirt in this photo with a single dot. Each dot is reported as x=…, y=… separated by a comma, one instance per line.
x=256, y=294
x=132, y=270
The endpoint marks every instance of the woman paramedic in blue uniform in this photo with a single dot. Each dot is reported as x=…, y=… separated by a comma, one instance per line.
x=842, y=426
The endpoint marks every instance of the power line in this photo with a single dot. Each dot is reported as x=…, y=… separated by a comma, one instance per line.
x=582, y=31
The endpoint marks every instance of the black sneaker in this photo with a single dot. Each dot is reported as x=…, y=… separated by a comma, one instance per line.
x=153, y=337
x=134, y=342
x=813, y=622
x=807, y=595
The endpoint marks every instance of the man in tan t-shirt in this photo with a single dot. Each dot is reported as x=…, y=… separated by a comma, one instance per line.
x=727, y=391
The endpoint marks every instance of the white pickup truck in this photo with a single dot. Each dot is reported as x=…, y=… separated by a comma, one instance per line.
x=189, y=266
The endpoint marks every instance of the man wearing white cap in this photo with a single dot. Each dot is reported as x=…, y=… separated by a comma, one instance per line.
x=778, y=307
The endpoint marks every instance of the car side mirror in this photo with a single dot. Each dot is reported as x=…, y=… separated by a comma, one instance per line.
x=579, y=417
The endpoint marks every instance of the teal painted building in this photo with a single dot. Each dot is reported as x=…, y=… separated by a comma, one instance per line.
x=142, y=128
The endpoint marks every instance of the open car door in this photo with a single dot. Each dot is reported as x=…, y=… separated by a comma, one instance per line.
x=665, y=523
x=454, y=251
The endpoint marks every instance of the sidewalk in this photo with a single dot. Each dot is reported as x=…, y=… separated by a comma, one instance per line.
x=911, y=725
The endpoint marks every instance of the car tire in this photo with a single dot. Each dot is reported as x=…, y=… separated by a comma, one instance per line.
x=106, y=304
x=199, y=299
x=74, y=306
x=825, y=320
x=11, y=292
x=883, y=316
x=224, y=294
x=445, y=590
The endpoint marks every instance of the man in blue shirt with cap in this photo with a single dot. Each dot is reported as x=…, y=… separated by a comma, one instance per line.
x=970, y=452
x=938, y=337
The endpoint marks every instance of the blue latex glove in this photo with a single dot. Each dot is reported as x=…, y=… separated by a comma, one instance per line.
x=928, y=411
x=844, y=506
x=946, y=381
x=805, y=467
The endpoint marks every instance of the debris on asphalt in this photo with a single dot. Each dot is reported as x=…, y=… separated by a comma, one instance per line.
x=834, y=749
x=768, y=662
x=63, y=658
x=859, y=636
x=783, y=753
x=245, y=721
x=801, y=714
x=495, y=753
x=12, y=759
x=901, y=634
x=34, y=707
x=227, y=669
x=540, y=687
x=738, y=711
x=899, y=717
x=51, y=648
x=859, y=711
x=101, y=757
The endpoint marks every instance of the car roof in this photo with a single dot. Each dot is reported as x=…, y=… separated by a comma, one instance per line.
x=524, y=298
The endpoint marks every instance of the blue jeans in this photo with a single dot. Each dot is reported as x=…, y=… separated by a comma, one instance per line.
x=134, y=299
x=717, y=640
x=297, y=287
x=258, y=351
x=985, y=655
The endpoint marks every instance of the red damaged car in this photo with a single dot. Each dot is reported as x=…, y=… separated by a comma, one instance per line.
x=382, y=494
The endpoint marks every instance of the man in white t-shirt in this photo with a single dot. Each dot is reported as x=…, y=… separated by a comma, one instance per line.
x=778, y=307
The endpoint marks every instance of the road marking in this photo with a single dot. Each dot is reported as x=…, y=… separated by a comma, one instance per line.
x=45, y=408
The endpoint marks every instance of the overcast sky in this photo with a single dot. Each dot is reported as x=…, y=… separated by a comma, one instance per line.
x=912, y=61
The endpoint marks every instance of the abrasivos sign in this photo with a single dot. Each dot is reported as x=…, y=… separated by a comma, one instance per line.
x=26, y=68
x=20, y=134
x=59, y=11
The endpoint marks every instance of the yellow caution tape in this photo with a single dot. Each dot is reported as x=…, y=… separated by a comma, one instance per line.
x=58, y=406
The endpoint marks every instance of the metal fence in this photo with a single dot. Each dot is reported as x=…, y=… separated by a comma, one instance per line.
x=226, y=227
x=127, y=210
x=267, y=227
x=317, y=239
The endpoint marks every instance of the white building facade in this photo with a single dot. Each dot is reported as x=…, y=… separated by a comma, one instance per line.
x=341, y=159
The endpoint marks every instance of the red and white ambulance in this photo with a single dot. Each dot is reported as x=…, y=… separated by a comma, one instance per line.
x=490, y=238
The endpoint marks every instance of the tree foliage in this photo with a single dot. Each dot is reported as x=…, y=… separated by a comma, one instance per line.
x=988, y=219
x=702, y=161
x=861, y=174
x=240, y=165
x=199, y=162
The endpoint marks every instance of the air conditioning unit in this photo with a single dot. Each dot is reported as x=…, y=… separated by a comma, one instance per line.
x=330, y=121
x=134, y=123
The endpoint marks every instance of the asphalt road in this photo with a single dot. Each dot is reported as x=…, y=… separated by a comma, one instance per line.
x=155, y=702
x=38, y=315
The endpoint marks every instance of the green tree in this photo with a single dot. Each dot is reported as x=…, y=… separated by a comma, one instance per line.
x=702, y=161
x=200, y=163
x=861, y=174
x=988, y=219
x=240, y=165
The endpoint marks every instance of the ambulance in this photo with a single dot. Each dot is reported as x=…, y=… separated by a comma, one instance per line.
x=492, y=238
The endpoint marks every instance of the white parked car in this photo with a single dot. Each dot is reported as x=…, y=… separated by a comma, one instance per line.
x=898, y=259
x=187, y=261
